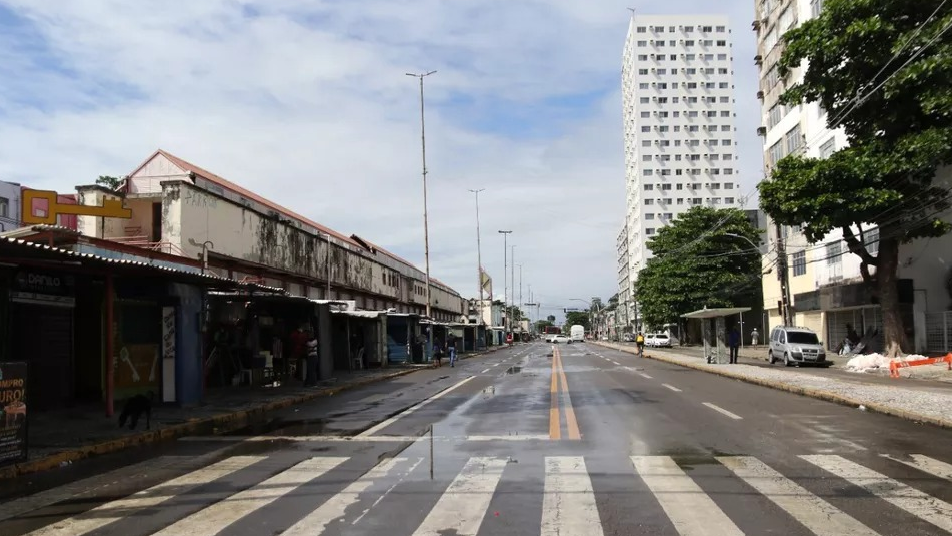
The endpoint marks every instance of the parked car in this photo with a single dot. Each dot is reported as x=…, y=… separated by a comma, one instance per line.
x=659, y=340
x=561, y=338
x=794, y=345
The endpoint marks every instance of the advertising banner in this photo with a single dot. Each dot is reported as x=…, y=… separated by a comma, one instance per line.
x=13, y=439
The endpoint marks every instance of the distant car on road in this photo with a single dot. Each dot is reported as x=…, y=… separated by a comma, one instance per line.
x=561, y=338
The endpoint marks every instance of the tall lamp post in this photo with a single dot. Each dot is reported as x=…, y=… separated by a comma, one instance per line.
x=505, y=281
x=512, y=267
x=479, y=260
x=426, y=228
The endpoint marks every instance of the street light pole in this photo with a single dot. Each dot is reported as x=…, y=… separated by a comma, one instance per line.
x=505, y=280
x=426, y=229
x=512, y=267
x=479, y=261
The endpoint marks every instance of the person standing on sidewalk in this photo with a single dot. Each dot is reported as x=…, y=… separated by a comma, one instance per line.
x=754, y=337
x=451, y=348
x=310, y=367
x=733, y=340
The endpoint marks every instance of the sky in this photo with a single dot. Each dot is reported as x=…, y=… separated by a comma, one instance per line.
x=308, y=104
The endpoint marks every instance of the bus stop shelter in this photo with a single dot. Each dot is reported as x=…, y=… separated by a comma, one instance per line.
x=715, y=341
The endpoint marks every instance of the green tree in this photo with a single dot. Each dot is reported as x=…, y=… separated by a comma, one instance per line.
x=109, y=182
x=895, y=113
x=698, y=262
x=577, y=317
x=551, y=319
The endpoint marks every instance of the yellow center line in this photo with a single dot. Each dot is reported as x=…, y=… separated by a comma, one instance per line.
x=555, y=424
x=570, y=421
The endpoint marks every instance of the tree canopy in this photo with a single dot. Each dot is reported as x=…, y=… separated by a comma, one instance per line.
x=577, y=317
x=109, y=182
x=882, y=69
x=704, y=258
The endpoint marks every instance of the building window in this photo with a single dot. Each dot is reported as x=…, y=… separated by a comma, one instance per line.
x=4, y=207
x=642, y=43
x=793, y=139
x=775, y=115
x=786, y=19
x=643, y=85
x=871, y=239
x=816, y=7
x=649, y=201
x=646, y=129
x=644, y=100
x=643, y=72
x=770, y=40
x=834, y=251
x=729, y=200
x=776, y=153
x=827, y=149
x=646, y=158
x=647, y=172
x=646, y=143
x=649, y=216
x=642, y=29
x=799, y=263
x=649, y=187
x=721, y=43
x=649, y=231
x=772, y=78
x=721, y=29
x=665, y=186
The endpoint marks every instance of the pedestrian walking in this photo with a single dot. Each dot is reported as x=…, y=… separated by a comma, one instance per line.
x=754, y=337
x=438, y=352
x=451, y=348
x=310, y=367
x=733, y=340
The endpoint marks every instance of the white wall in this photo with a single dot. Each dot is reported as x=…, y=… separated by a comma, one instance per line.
x=10, y=191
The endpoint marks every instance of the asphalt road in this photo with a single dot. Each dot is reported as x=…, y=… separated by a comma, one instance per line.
x=587, y=441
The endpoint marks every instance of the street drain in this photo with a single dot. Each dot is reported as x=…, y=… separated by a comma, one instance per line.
x=513, y=370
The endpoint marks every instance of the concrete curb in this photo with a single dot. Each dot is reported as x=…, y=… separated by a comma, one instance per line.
x=217, y=424
x=820, y=394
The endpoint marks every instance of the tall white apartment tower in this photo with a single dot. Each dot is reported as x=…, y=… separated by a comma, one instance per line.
x=680, y=138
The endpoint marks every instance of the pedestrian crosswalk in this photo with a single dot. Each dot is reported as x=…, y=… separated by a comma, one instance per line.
x=574, y=492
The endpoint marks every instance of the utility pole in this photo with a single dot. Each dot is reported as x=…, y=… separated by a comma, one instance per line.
x=512, y=267
x=784, y=279
x=479, y=262
x=520, y=287
x=505, y=281
x=426, y=228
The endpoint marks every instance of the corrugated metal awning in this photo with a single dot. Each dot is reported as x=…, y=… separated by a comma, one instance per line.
x=716, y=313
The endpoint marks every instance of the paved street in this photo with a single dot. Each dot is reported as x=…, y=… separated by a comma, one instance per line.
x=585, y=441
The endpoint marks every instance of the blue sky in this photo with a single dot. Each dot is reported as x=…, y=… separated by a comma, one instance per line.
x=294, y=99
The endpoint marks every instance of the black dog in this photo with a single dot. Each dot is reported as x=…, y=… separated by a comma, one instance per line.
x=134, y=408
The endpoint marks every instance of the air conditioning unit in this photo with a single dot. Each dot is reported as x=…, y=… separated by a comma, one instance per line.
x=761, y=131
x=760, y=95
x=755, y=25
x=758, y=60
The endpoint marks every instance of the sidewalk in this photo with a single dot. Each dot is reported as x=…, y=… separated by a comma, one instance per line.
x=929, y=402
x=61, y=437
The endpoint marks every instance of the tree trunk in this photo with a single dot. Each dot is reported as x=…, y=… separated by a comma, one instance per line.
x=894, y=333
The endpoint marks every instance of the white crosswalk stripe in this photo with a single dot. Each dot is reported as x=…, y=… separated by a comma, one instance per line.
x=215, y=518
x=569, y=505
x=462, y=507
x=811, y=511
x=691, y=511
x=315, y=522
x=113, y=511
x=917, y=503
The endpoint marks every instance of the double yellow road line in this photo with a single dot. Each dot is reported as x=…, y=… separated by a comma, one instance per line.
x=559, y=385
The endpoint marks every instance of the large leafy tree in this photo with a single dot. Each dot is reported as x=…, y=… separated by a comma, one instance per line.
x=883, y=71
x=705, y=258
x=577, y=317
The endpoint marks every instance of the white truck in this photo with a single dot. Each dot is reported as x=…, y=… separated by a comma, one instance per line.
x=577, y=333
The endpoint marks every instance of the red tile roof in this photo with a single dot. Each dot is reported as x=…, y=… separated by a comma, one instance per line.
x=224, y=183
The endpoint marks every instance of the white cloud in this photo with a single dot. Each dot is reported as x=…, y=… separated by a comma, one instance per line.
x=308, y=105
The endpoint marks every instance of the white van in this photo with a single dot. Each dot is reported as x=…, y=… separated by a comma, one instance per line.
x=577, y=333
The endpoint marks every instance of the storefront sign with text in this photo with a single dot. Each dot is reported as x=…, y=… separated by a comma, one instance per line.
x=13, y=439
